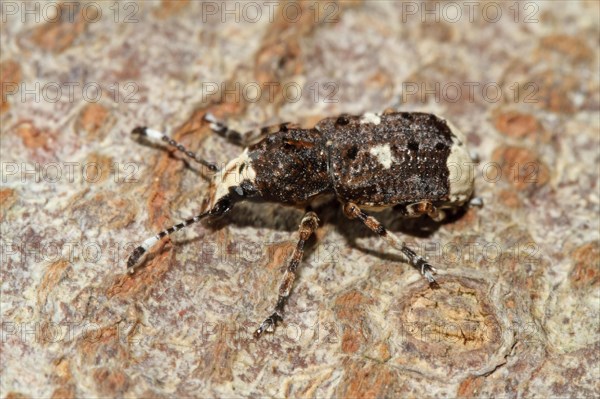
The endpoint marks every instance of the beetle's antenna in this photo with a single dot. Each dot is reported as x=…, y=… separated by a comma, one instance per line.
x=245, y=139
x=156, y=135
x=223, y=130
x=141, y=250
x=222, y=205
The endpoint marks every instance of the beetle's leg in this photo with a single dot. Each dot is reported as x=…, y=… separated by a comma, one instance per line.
x=242, y=139
x=309, y=224
x=437, y=214
x=425, y=208
x=352, y=211
x=156, y=135
x=422, y=208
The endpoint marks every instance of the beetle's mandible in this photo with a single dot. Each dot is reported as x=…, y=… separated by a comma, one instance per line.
x=415, y=162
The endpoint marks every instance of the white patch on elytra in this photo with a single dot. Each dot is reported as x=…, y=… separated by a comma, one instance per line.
x=370, y=117
x=383, y=153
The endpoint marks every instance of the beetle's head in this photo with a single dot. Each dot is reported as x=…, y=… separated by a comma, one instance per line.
x=231, y=184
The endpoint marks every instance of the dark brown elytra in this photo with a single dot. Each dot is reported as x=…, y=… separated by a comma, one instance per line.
x=339, y=156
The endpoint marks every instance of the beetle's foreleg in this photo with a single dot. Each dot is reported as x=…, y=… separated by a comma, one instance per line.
x=156, y=135
x=309, y=224
x=352, y=211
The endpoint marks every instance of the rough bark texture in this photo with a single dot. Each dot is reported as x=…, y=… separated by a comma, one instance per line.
x=516, y=313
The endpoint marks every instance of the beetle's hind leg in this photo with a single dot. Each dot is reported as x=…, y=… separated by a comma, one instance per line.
x=352, y=211
x=308, y=226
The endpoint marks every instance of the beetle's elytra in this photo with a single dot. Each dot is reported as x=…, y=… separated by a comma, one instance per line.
x=409, y=160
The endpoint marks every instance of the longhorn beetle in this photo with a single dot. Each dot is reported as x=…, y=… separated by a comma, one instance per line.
x=413, y=161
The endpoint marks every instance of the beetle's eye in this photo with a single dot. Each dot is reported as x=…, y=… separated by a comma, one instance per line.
x=342, y=120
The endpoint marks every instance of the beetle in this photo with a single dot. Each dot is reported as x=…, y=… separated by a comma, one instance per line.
x=411, y=161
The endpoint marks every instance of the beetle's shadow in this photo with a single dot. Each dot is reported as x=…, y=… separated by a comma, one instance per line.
x=259, y=215
x=282, y=218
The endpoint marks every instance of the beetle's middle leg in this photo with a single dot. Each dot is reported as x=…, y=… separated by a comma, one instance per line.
x=424, y=208
x=309, y=224
x=352, y=211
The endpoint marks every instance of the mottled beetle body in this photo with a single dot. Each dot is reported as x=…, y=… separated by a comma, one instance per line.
x=375, y=161
x=416, y=162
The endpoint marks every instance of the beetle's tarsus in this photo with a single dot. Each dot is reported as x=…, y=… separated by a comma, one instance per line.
x=268, y=325
x=428, y=271
x=352, y=211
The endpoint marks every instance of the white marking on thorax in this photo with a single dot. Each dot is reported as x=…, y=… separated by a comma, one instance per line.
x=383, y=153
x=370, y=117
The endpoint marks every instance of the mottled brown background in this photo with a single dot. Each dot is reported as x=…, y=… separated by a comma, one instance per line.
x=518, y=308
